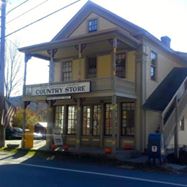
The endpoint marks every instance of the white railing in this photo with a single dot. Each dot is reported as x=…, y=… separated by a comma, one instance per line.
x=115, y=85
x=170, y=124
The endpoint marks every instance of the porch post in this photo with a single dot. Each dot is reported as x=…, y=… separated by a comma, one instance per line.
x=65, y=122
x=50, y=124
x=118, y=125
x=139, y=126
x=102, y=125
x=27, y=58
x=51, y=65
x=78, y=128
x=114, y=99
x=114, y=123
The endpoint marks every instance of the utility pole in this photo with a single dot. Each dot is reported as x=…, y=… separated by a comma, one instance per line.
x=2, y=67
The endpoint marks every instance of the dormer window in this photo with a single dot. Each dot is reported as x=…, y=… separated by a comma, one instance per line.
x=92, y=25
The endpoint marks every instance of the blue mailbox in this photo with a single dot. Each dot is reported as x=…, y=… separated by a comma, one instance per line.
x=156, y=147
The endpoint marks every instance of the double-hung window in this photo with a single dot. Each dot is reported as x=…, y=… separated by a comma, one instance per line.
x=153, y=66
x=72, y=119
x=92, y=67
x=127, y=119
x=67, y=71
x=121, y=65
x=108, y=120
x=92, y=25
x=59, y=117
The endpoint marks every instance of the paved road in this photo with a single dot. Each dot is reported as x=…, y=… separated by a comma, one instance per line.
x=20, y=170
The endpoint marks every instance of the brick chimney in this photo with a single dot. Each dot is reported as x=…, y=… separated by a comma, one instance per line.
x=166, y=41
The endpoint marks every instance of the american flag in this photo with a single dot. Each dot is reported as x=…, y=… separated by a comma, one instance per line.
x=7, y=114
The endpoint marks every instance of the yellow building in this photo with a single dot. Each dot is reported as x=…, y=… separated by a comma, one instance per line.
x=111, y=83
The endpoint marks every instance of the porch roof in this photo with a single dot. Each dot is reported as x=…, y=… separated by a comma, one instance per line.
x=41, y=50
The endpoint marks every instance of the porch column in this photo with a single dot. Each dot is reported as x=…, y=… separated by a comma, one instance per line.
x=114, y=123
x=78, y=128
x=118, y=128
x=51, y=65
x=176, y=131
x=65, y=122
x=24, y=122
x=102, y=125
x=114, y=98
x=139, y=126
x=50, y=124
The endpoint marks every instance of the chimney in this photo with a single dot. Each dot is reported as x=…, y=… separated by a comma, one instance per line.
x=166, y=41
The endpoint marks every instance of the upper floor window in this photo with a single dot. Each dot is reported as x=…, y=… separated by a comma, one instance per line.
x=182, y=124
x=121, y=65
x=92, y=25
x=67, y=71
x=92, y=67
x=153, y=66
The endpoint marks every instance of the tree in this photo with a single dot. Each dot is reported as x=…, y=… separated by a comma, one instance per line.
x=13, y=74
x=32, y=117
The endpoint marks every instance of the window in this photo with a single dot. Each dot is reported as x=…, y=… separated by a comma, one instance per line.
x=92, y=25
x=96, y=120
x=92, y=66
x=127, y=119
x=86, y=120
x=153, y=66
x=108, y=119
x=59, y=117
x=91, y=120
x=181, y=124
x=72, y=119
x=121, y=65
x=67, y=71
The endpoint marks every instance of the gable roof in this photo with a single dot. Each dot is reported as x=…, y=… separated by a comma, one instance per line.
x=91, y=7
x=133, y=29
x=163, y=94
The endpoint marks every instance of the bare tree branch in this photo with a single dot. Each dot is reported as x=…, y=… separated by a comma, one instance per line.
x=13, y=78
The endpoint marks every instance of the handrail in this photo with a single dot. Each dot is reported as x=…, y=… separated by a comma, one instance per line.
x=170, y=124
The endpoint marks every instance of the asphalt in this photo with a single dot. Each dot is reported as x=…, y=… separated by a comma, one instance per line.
x=139, y=161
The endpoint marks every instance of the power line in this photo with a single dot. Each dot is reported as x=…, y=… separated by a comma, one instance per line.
x=27, y=11
x=42, y=18
x=17, y=6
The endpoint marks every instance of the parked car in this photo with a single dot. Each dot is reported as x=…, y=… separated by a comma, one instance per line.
x=14, y=133
x=38, y=135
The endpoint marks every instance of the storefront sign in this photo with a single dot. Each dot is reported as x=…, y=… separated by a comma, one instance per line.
x=58, y=89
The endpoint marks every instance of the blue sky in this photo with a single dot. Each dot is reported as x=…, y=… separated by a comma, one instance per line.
x=159, y=17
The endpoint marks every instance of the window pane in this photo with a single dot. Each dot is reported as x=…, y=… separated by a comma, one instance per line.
x=59, y=117
x=72, y=119
x=153, y=65
x=92, y=66
x=67, y=71
x=92, y=25
x=96, y=120
x=127, y=119
x=86, y=120
x=121, y=65
x=108, y=120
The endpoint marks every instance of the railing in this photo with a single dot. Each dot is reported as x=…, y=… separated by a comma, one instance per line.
x=114, y=85
x=173, y=119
